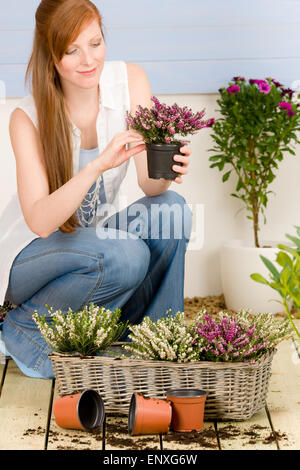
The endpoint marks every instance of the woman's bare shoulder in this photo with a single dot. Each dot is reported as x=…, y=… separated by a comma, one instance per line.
x=138, y=84
x=134, y=69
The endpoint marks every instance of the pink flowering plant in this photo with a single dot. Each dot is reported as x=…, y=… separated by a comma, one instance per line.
x=163, y=124
x=258, y=124
x=240, y=337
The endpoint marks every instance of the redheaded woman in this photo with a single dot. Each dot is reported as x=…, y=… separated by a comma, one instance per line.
x=66, y=242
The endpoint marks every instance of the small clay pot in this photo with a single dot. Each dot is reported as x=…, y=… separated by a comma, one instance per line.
x=160, y=160
x=149, y=415
x=83, y=411
x=187, y=409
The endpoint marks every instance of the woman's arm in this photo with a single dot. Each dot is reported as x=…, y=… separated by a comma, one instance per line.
x=140, y=94
x=44, y=212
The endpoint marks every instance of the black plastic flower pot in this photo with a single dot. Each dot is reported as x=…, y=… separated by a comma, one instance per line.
x=160, y=160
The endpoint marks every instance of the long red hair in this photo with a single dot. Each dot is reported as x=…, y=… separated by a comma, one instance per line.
x=58, y=24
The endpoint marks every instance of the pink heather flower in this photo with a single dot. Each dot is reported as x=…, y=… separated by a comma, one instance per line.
x=171, y=129
x=264, y=87
x=291, y=113
x=227, y=340
x=161, y=122
x=233, y=89
x=251, y=331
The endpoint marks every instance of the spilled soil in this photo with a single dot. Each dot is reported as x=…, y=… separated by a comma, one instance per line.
x=116, y=435
x=213, y=304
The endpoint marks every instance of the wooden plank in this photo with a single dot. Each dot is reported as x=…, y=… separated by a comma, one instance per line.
x=252, y=434
x=284, y=396
x=24, y=406
x=204, y=440
x=180, y=77
x=71, y=439
x=118, y=438
x=18, y=14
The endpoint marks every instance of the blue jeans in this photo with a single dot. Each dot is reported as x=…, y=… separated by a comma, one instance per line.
x=128, y=264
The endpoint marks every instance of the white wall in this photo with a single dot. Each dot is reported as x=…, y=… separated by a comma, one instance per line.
x=202, y=185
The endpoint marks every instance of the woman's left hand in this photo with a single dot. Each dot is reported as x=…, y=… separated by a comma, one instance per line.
x=185, y=159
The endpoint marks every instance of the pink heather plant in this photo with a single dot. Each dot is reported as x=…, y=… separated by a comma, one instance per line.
x=241, y=337
x=161, y=123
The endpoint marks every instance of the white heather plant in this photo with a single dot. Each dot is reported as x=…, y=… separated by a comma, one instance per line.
x=167, y=339
x=87, y=332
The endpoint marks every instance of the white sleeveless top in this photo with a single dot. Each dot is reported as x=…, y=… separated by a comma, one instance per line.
x=114, y=102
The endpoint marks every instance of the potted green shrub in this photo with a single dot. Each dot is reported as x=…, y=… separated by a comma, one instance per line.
x=161, y=127
x=287, y=280
x=258, y=124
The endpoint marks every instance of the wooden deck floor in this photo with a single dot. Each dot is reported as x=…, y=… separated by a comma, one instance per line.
x=26, y=421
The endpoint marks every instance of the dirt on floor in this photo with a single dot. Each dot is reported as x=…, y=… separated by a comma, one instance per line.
x=213, y=304
x=116, y=435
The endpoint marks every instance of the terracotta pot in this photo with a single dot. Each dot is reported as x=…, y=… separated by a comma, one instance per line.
x=160, y=160
x=83, y=411
x=187, y=409
x=149, y=415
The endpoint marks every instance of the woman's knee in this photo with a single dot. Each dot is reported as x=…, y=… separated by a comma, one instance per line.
x=177, y=216
x=126, y=263
x=138, y=262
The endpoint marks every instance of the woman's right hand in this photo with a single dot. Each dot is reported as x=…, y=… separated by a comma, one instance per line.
x=115, y=153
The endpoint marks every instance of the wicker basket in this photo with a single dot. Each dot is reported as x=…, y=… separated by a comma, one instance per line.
x=235, y=390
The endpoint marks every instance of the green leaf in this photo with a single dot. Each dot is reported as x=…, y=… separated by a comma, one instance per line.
x=239, y=185
x=285, y=276
x=297, y=230
x=271, y=268
x=226, y=176
x=284, y=259
x=289, y=249
x=258, y=278
x=294, y=239
x=215, y=158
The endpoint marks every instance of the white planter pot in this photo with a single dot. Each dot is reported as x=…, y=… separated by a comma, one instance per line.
x=238, y=261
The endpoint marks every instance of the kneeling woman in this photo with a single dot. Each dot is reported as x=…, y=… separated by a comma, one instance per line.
x=72, y=150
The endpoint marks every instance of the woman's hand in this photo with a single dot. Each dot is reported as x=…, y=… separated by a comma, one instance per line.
x=115, y=153
x=185, y=159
